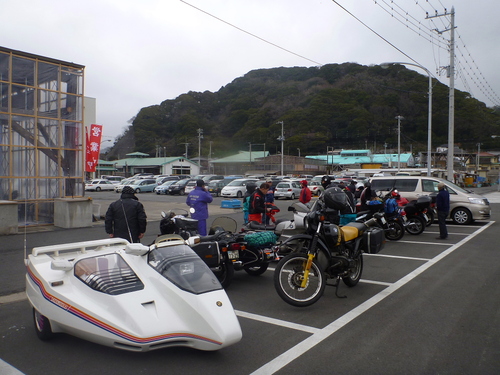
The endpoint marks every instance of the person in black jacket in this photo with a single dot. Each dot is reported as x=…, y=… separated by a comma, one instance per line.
x=126, y=217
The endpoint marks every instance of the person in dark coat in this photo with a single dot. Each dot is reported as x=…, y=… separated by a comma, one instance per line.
x=198, y=200
x=443, y=210
x=250, y=189
x=126, y=218
x=257, y=205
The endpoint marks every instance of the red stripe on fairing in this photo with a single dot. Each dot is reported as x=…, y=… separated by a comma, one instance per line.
x=96, y=322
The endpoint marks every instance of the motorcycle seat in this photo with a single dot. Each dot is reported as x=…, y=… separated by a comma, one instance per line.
x=259, y=226
x=352, y=231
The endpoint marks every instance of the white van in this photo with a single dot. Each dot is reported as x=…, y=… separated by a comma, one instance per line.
x=465, y=206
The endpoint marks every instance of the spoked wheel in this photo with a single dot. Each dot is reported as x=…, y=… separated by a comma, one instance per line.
x=415, y=225
x=288, y=278
x=354, y=273
x=225, y=273
x=256, y=270
x=395, y=231
x=42, y=326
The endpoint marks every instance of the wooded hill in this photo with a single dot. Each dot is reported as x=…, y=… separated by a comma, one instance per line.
x=347, y=106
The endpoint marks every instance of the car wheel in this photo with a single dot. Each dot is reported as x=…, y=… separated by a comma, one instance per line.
x=42, y=326
x=137, y=190
x=292, y=196
x=239, y=194
x=461, y=216
x=182, y=192
x=98, y=189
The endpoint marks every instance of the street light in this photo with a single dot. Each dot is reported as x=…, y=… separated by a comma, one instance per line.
x=282, y=139
x=429, y=117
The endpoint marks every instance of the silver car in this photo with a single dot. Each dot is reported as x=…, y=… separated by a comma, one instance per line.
x=287, y=189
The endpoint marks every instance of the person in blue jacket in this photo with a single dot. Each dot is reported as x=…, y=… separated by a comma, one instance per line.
x=198, y=200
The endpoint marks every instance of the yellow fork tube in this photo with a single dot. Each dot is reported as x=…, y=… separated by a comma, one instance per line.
x=310, y=258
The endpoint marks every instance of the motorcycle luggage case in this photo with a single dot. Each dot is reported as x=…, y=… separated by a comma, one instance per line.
x=374, y=240
x=208, y=252
x=186, y=223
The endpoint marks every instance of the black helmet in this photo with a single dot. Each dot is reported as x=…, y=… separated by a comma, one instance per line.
x=326, y=181
x=335, y=198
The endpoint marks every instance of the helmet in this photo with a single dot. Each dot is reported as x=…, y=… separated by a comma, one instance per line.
x=304, y=182
x=395, y=193
x=335, y=198
x=326, y=181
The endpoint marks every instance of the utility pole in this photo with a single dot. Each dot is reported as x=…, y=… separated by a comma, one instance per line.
x=186, y=154
x=399, y=118
x=282, y=139
x=200, y=137
x=451, y=75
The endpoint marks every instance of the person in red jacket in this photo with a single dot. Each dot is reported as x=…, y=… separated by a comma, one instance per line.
x=305, y=193
x=257, y=205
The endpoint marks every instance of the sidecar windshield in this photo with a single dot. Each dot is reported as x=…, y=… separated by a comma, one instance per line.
x=180, y=265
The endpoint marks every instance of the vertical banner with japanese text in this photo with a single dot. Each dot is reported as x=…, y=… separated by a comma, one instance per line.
x=93, y=147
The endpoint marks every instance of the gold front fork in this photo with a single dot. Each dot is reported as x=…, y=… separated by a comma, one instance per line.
x=310, y=258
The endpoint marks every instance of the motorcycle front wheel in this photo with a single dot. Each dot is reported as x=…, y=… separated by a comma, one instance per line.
x=288, y=277
x=395, y=231
x=415, y=225
x=256, y=270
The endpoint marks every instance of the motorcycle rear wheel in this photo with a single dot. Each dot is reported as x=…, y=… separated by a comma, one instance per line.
x=415, y=225
x=225, y=273
x=354, y=273
x=430, y=214
x=395, y=232
x=288, y=278
x=256, y=270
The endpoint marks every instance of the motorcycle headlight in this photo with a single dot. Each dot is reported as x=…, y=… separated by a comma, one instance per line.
x=476, y=200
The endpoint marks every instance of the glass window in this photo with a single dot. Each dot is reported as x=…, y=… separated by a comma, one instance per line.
x=23, y=131
x=23, y=161
x=4, y=97
x=48, y=76
x=406, y=184
x=49, y=162
x=23, y=100
x=48, y=132
x=429, y=186
x=23, y=71
x=71, y=107
x=382, y=185
x=72, y=80
x=48, y=103
x=49, y=188
x=108, y=274
x=4, y=67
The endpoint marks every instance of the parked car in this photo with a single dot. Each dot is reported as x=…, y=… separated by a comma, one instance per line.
x=98, y=185
x=178, y=187
x=190, y=186
x=162, y=179
x=143, y=185
x=215, y=187
x=287, y=189
x=119, y=187
x=315, y=187
x=113, y=179
x=237, y=188
x=163, y=188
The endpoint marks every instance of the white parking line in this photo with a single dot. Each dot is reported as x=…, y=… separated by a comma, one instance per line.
x=374, y=282
x=277, y=322
x=397, y=256
x=293, y=353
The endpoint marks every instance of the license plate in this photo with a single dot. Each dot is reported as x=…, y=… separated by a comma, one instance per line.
x=382, y=219
x=233, y=254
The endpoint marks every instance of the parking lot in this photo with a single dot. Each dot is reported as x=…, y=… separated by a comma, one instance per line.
x=422, y=306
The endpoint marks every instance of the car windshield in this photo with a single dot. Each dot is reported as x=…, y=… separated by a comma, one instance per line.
x=237, y=183
x=183, y=267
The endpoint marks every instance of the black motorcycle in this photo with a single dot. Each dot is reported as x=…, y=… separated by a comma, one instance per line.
x=393, y=225
x=326, y=251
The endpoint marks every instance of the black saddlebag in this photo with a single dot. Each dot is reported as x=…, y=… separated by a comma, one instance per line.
x=208, y=252
x=373, y=240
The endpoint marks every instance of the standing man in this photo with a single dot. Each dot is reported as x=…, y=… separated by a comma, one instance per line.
x=443, y=210
x=198, y=200
x=126, y=217
x=257, y=206
x=305, y=193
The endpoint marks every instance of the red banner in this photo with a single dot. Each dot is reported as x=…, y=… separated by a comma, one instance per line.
x=93, y=147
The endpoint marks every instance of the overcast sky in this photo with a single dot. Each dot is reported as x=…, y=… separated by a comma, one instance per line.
x=140, y=53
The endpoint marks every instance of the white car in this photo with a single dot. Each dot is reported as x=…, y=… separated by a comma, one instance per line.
x=190, y=186
x=98, y=185
x=237, y=188
x=129, y=296
x=123, y=183
x=287, y=189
